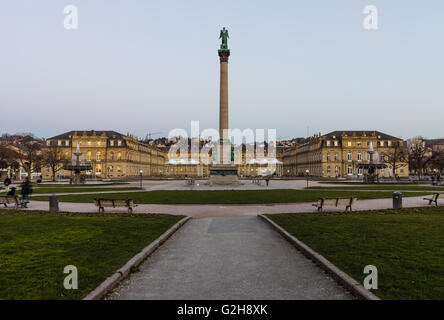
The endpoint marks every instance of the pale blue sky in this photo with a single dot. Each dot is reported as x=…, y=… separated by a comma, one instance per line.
x=142, y=66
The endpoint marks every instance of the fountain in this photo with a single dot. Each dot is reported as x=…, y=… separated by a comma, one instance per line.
x=371, y=175
x=77, y=168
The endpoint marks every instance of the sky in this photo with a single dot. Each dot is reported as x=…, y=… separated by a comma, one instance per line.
x=144, y=66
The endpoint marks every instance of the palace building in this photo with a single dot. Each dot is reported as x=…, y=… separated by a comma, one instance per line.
x=108, y=153
x=339, y=153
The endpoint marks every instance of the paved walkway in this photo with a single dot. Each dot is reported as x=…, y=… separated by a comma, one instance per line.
x=228, y=258
x=215, y=210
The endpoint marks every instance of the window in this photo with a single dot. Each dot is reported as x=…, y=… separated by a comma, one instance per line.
x=99, y=168
x=336, y=169
x=368, y=156
x=110, y=168
x=359, y=156
x=336, y=156
x=328, y=142
x=358, y=144
x=382, y=156
x=389, y=143
x=88, y=155
x=350, y=170
x=119, y=169
x=328, y=156
x=99, y=156
x=119, y=143
x=328, y=169
x=360, y=171
x=119, y=156
x=336, y=143
x=111, y=155
x=349, y=156
x=349, y=143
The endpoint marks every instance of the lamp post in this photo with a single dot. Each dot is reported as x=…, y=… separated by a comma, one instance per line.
x=141, y=173
x=307, y=173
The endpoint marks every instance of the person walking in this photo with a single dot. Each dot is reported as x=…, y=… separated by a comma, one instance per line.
x=26, y=192
x=7, y=183
x=267, y=180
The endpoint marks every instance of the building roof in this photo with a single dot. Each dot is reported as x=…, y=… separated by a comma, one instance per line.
x=89, y=133
x=360, y=133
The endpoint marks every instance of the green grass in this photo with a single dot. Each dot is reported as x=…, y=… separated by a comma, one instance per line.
x=43, y=190
x=385, y=187
x=405, y=245
x=380, y=183
x=67, y=185
x=36, y=246
x=228, y=196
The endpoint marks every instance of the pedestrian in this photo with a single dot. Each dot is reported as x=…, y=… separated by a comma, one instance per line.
x=26, y=192
x=7, y=182
x=267, y=180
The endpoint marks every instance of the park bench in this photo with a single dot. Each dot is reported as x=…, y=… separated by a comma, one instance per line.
x=335, y=202
x=5, y=200
x=113, y=203
x=434, y=199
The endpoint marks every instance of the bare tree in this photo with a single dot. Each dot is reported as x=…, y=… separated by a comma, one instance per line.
x=54, y=159
x=437, y=160
x=29, y=153
x=397, y=158
x=419, y=156
x=7, y=156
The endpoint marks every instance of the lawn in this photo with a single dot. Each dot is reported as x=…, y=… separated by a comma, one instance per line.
x=405, y=245
x=43, y=190
x=36, y=246
x=384, y=187
x=229, y=196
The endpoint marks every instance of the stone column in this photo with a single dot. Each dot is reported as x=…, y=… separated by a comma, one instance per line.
x=225, y=151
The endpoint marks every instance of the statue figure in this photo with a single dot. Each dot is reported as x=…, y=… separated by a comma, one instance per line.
x=224, y=36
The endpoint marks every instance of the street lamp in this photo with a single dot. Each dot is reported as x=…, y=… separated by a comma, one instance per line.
x=307, y=173
x=141, y=173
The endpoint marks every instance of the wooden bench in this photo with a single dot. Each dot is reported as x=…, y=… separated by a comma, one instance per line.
x=113, y=203
x=335, y=202
x=434, y=199
x=5, y=200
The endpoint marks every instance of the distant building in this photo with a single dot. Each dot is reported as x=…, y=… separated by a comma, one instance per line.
x=114, y=155
x=338, y=153
x=109, y=153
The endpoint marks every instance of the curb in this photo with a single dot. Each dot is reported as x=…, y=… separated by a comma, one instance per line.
x=344, y=279
x=124, y=271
